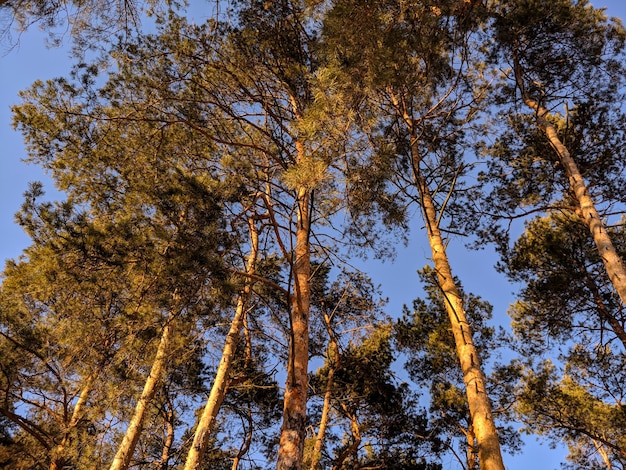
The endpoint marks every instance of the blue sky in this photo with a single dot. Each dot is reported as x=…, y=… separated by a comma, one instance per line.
x=29, y=59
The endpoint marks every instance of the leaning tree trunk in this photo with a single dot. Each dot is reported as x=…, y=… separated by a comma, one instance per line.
x=221, y=380
x=489, y=453
x=127, y=447
x=613, y=263
x=292, y=433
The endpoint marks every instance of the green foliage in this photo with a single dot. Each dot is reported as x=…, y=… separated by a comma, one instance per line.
x=567, y=305
x=88, y=24
x=560, y=44
x=566, y=294
x=567, y=57
x=579, y=407
x=80, y=315
x=569, y=60
x=366, y=394
x=523, y=175
x=398, y=65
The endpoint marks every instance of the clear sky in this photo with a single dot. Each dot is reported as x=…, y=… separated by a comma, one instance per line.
x=29, y=59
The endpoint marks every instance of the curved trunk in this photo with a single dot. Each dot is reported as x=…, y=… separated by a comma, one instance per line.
x=127, y=447
x=603, y=453
x=613, y=263
x=221, y=381
x=484, y=428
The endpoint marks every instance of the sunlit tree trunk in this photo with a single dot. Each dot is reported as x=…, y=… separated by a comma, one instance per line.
x=356, y=439
x=613, y=263
x=603, y=454
x=129, y=442
x=333, y=361
x=58, y=456
x=484, y=428
x=206, y=424
x=245, y=447
x=471, y=449
x=292, y=434
x=168, y=417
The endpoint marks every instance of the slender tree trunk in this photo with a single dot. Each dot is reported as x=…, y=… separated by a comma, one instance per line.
x=218, y=392
x=489, y=453
x=356, y=442
x=168, y=415
x=333, y=359
x=292, y=434
x=482, y=422
x=127, y=447
x=245, y=447
x=471, y=449
x=221, y=381
x=58, y=458
x=613, y=263
x=247, y=361
x=603, y=453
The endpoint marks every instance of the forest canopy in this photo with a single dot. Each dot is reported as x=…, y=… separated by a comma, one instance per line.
x=192, y=301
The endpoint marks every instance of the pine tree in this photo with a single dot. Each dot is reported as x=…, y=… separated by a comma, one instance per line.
x=567, y=309
x=422, y=101
x=221, y=381
x=565, y=54
x=557, y=156
x=97, y=304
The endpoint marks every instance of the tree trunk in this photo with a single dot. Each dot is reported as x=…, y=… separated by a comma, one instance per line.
x=603, y=453
x=168, y=417
x=127, y=447
x=613, y=263
x=484, y=428
x=471, y=450
x=58, y=457
x=221, y=381
x=245, y=447
x=333, y=359
x=356, y=439
x=292, y=434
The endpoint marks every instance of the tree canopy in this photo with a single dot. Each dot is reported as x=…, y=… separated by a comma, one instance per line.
x=192, y=301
